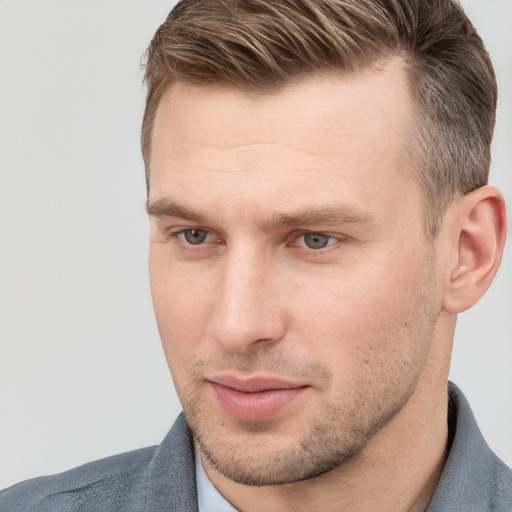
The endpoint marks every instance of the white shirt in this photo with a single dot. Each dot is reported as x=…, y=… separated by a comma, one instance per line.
x=208, y=498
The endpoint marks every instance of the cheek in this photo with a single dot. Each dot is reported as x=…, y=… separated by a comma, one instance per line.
x=370, y=313
x=182, y=307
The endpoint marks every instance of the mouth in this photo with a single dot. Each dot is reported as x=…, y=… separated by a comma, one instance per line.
x=254, y=399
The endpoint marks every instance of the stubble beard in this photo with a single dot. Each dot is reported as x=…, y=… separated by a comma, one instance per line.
x=341, y=434
x=328, y=445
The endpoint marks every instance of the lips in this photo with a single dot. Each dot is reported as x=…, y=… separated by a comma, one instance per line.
x=254, y=399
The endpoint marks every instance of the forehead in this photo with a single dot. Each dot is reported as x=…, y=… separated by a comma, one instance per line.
x=330, y=130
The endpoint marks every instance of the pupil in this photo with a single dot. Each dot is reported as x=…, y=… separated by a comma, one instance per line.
x=316, y=241
x=195, y=236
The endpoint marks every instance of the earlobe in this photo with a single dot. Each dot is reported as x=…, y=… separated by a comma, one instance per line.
x=478, y=235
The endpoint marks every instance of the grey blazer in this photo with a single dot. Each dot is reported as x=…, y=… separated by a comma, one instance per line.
x=162, y=478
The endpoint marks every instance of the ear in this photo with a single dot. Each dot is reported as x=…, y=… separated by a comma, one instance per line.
x=478, y=234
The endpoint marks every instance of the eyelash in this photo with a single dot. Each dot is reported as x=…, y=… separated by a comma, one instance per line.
x=175, y=235
x=321, y=250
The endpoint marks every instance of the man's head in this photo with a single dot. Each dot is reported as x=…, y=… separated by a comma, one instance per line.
x=261, y=46
x=304, y=303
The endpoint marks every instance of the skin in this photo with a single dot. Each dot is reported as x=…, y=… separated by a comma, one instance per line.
x=365, y=324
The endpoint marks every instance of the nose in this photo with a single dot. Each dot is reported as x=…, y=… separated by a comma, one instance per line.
x=248, y=310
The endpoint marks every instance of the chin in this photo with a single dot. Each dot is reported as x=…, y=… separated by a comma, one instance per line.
x=258, y=454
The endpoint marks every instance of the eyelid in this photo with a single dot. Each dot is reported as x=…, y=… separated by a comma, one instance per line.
x=176, y=232
x=336, y=237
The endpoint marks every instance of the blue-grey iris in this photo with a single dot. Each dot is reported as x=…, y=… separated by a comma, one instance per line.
x=195, y=236
x=316, y=240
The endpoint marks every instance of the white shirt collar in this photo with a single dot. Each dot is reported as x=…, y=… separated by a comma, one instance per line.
x=208, y=498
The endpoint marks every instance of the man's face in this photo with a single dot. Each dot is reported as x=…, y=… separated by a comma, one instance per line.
x=292, y=282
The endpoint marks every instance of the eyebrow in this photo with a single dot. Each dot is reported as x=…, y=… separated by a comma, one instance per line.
x=343, y=214
x=168, y=208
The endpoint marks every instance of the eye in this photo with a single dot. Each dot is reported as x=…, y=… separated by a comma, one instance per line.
x=316, y=241
x=193, y=236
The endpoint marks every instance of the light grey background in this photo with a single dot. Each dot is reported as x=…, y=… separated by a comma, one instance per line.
x=82, y=373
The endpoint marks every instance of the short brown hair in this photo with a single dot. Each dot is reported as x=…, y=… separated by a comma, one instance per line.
x=259, y=46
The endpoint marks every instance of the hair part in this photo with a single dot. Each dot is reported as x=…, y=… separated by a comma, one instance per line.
x=260, y=46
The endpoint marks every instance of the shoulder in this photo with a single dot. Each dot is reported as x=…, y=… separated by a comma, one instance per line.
x=113, y=482
x=501, y=493
x=150, y=479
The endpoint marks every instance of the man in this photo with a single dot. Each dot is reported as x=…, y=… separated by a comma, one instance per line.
x=317, y=189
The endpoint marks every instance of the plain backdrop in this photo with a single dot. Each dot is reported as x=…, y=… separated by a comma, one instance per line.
x=82, y=373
